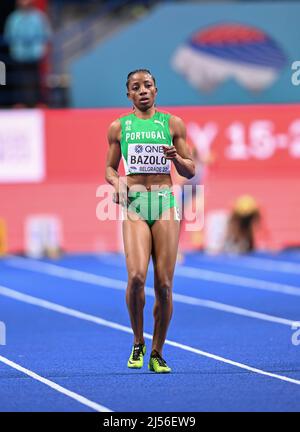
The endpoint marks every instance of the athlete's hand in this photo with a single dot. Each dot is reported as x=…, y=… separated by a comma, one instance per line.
x=116, y=199
x=120, y=194
x=170, y=152
x=120, y=198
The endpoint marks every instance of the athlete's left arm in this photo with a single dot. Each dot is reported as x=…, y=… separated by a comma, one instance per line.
x=179, y=153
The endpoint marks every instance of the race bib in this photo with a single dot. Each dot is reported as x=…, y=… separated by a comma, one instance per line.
x=147, y=159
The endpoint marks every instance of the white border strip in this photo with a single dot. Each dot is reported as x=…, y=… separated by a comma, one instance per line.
x=81, y=399
x=93, y=279
x=87, y=317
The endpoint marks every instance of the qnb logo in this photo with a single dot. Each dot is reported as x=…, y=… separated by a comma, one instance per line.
x=2, y=73
x=296, y=334
x=138, y=148
x=296, y=75
x=2, y=333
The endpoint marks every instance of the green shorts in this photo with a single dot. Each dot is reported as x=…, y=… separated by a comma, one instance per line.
x=151, y=205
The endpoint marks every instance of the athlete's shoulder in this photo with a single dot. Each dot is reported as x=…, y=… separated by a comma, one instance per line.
x=115, y=125
x=177, y=121
x=114, y=129
x=177, y=126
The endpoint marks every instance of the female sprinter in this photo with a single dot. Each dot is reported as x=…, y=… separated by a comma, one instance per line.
x=149, y=141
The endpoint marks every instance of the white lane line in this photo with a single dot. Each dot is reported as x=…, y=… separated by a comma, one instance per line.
x=81, y=399
x=232, y=309
x=97, y=320
x=90, y=278
x=246, y=262
x=256, y=263
x=228, y=279
x=271, y=265
x=183, y=271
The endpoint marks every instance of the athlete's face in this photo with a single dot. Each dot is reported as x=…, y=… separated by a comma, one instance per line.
x=142, y=90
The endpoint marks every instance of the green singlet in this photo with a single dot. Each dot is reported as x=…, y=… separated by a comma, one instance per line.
x=142, y=153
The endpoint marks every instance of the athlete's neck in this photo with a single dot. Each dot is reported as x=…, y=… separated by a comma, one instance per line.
x=145, y=114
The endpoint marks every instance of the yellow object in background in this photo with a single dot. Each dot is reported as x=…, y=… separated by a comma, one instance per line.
x=197, y=239
x=245, y=205
x=3, y=237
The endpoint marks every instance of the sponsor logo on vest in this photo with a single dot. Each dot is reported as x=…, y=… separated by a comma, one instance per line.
x=159, y=122
x=147, y=157
x=128, y=125
x=138, y=148
x=163, y=194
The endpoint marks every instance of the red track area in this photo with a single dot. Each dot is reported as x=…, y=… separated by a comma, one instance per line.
x=75, y=165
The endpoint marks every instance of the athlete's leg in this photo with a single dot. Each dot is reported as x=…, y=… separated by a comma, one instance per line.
x=137, y=245
x=165, y=235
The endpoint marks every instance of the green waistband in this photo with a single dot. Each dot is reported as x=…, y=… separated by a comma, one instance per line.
x=146, y=193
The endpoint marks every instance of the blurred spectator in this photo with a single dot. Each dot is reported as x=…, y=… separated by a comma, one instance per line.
x=241, y=224
x=27, y=33
x=202, y=159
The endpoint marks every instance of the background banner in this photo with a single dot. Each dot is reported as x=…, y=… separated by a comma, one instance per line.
x=255, y=150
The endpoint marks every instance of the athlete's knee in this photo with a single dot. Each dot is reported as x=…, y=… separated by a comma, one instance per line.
x=163, y=289
x=136, y=281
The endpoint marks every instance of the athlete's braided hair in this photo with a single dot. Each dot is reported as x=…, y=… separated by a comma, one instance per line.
x=136, y=71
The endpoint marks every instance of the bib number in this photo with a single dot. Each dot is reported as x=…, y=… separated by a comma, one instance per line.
x=147, y=159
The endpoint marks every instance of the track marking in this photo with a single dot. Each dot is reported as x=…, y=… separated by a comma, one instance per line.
x=97, y=320
x=232, y=309
x=184, y=271
x=228, y=279
x=90, y=278
x=81, y=399
x=258, y=263
x=247, y=262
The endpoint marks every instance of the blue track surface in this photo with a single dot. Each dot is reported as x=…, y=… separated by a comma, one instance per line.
x=87, y=356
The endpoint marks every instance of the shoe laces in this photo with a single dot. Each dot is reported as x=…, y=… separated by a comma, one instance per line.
x=137, y=351
x=159, y=359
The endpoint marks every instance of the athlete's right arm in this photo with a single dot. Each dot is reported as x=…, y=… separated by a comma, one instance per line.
x=114, y=154
x=113, y=158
